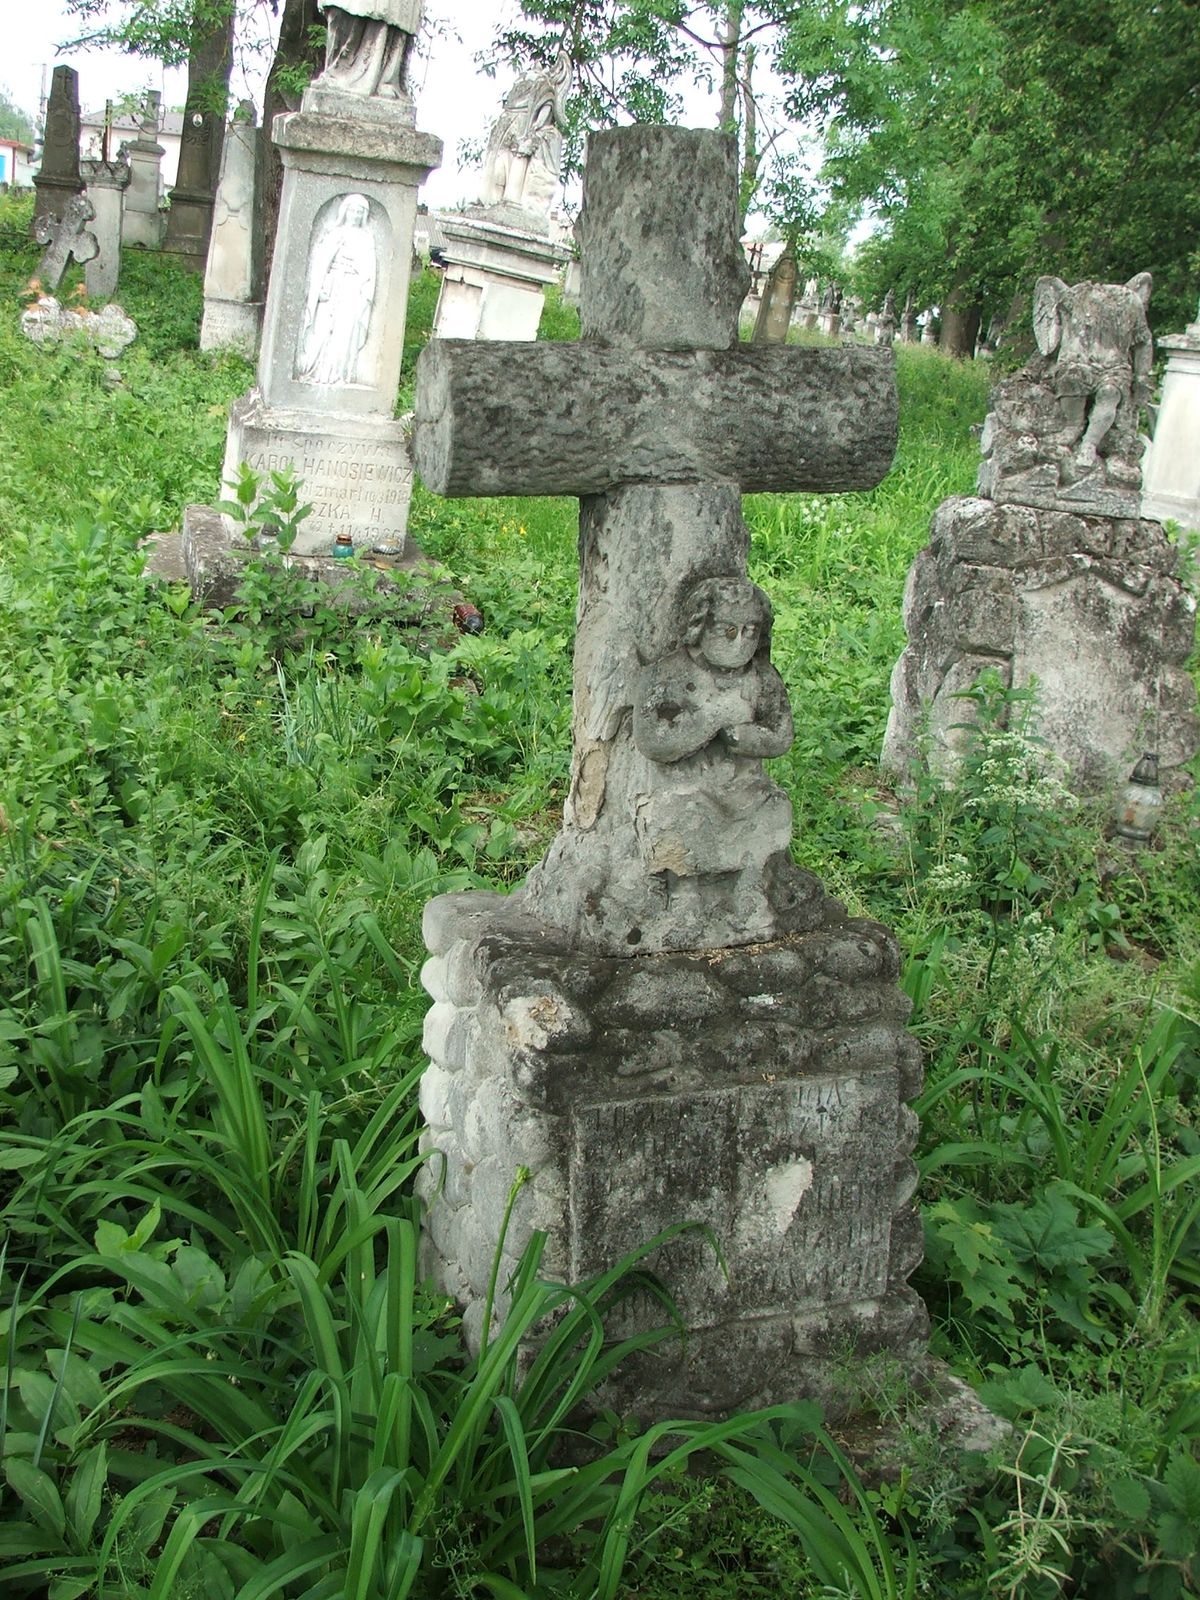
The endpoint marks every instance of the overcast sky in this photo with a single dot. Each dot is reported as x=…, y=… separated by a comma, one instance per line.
x=454, y=100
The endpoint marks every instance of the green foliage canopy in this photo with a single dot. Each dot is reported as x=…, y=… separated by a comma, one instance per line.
x=14, y=123
x=998, y=140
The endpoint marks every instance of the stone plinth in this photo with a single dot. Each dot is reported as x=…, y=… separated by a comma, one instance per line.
x=233, y=274
x=106, y=185
x=144, y=221
x=495, y=280
x=356, y=471
x=1090, y=607
x=758, y=1093
x=333, y=333
x=1171, y=488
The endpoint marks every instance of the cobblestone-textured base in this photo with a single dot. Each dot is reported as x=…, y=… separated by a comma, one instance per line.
x=758, y=1092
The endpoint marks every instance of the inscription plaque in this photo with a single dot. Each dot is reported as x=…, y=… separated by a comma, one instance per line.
x=792, y=1179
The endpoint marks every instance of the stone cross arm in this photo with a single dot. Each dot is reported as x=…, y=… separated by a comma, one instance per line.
x=584, y=418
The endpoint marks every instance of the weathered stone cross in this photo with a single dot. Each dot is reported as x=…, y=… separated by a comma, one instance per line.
x=66, y=236
x=673, y=837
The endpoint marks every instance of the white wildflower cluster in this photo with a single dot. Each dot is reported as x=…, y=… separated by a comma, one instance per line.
x=1016, y=772
x=950, y=877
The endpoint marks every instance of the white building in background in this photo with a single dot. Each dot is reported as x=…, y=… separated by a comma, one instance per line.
x=16, y=163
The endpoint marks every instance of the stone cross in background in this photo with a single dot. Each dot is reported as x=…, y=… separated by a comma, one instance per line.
x=58, y=180
x=65, y=236
x=670, y=1022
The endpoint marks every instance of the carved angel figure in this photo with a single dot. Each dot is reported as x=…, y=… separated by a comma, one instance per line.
x=368, y=44
x=524, y=153
x=710, y=712
x=342, y=275
x=1104, y=353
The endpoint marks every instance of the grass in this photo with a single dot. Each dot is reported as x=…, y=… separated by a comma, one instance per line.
x=220, y=1373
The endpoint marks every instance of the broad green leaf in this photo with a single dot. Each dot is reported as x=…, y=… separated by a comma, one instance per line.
x=85, y=1493
x=38, y=1493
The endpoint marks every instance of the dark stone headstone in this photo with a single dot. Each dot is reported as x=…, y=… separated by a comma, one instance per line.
x=59, y=179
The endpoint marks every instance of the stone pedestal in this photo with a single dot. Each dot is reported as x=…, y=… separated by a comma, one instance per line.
x=495, y=280
x=1171, y=473
x=106, y=184
x=758, y=1093
x=144, y=221
x=233, y=274
x=1088, y=606
x=333, y=334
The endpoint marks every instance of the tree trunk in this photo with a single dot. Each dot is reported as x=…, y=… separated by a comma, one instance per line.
x=749, y=134
x=960, y=327
x=295, y=54
x=731, y=33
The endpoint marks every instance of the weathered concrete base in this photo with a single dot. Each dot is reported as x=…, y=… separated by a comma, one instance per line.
x=1088, y=606
x=356, y=470
x=495, y=281
x=231, y=325
x=756, y=1092
x=211, y=560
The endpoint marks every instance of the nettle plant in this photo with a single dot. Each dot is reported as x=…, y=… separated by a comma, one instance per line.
x=1007, y=851
x=267, y=511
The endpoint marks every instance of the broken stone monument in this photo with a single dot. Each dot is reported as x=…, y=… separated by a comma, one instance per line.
x=144, y=221
x=928, y=331
x=234, y=271
x=1171, y=491
x=670, y=1023
x=333, y=328
x=499, y=255
x=106, y=184
x=65, y=236
x=108, y=330
x=58, y=181
x=1050, y=574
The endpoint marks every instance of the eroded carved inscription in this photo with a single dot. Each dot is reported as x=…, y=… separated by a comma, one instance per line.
x=792, y=1179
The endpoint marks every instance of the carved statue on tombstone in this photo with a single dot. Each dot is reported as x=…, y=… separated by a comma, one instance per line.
x=709, y=713
x=1063, y=432
x=524, y=153
x=368, y=45
x=342, y=273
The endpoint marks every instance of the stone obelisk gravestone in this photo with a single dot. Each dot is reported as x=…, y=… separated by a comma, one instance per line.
x=58, y=180
x=1049, y=573
x=107, y=182
x=670, y=1022
x=1172, y=470
x=333, y=329
x=233, y=275
x=144, y=219
x=499, y=256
